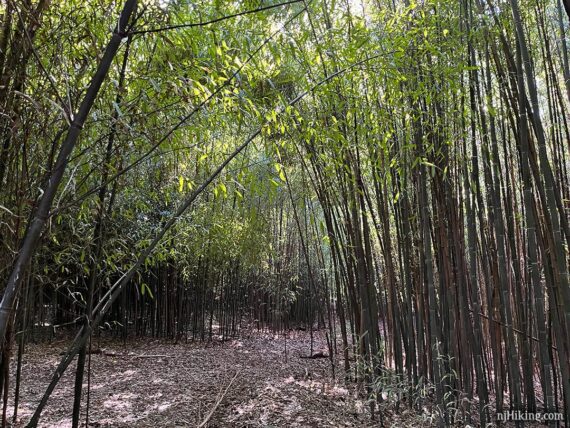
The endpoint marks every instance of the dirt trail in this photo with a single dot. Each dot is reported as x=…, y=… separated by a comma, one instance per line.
x=159, y=384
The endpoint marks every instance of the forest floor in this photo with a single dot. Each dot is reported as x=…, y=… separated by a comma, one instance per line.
x=246, y=382
x=156, y=383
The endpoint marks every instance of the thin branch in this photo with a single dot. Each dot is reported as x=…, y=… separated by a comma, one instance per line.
x=213, y=21
x=516, y=330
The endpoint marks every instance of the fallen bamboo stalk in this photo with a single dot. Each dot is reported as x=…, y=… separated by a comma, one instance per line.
x=151, y=356
x=221, y=396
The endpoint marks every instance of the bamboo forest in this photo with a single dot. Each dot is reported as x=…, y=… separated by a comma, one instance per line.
x=285, y=213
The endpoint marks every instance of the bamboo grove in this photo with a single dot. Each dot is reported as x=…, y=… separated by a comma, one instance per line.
x=393, y=171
